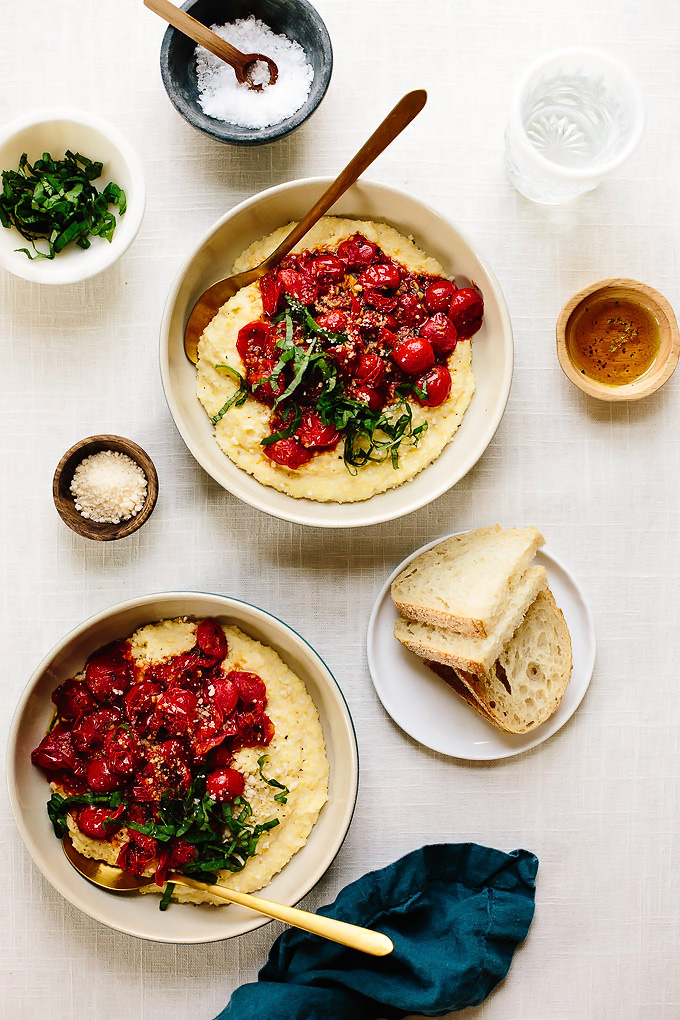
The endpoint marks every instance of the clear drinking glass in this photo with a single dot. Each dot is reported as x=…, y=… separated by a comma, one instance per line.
x=576, y=115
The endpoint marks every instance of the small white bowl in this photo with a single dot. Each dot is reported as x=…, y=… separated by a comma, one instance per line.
x=212, y=260
x=139, y=915
x=55, y=131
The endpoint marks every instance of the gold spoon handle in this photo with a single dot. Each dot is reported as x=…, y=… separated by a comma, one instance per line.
x=189, y=26
x=351, y=935
x=393, y=124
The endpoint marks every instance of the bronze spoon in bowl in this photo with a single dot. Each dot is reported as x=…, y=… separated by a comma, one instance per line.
x=113, y=879
x=212, y=299
x=243, y=63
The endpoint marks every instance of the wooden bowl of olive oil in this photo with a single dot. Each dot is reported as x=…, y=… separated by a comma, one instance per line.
x=618, y=339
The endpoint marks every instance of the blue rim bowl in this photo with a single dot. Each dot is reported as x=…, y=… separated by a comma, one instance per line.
x=296, y=19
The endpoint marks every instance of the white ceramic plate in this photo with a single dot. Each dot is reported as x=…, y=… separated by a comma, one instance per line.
x=139, y=915
x=54, y=131
x=429, y=711
x=212, y=259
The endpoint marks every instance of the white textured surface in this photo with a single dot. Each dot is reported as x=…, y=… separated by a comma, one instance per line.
x=598, y=802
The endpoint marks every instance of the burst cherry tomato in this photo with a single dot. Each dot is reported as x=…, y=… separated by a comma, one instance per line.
x=357, y=251
x=225, y=694
x=251, y=687
x=211, y=640
x=382, y=302
x=108, y=674
x=136, y=855
x=441, y=333
x=287, y=452
x=300, y=285
x=466, y=311
x=176, y=853
x=414, y=356
x=122, y=751
x=100, y=823
x=370, y=370
x=409, y=310
x=328, y=267
x=254, y=342
x=90, y=731
x=384, y=275
x=436, y=384
x=140, y=702
x=438, y=295
x=271, y=290
x=56, y=752
x=313, y=434
x=73, y=698
x=369, y=395
x=224, y=784
x=334, y=321
x=176, y=710
x=100, y=775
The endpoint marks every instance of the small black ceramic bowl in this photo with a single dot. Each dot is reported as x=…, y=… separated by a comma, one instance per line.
x=296, y=19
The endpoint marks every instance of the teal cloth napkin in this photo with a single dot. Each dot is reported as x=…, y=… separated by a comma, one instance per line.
x=455, y=913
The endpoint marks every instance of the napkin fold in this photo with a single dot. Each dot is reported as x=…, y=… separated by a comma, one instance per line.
x=455, y=913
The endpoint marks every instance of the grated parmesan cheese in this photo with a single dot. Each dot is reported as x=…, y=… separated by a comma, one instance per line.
x=108, y=487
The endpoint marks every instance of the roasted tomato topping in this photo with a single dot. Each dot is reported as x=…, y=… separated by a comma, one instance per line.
x=251, y=688
x=108, y=673
x=100, y=823
x=224, y=784
x=441, y=333
x=313, y=434
x=466, y=311
x=438, y=295
x=73, y=698
x=414, y=356
x=357, y=251
x=137, y=855
x=211, y=640
x=436, y=384
x=384, y=275
x=288, y=453
x=56, y=753
x=100, y=776
x=90, y=731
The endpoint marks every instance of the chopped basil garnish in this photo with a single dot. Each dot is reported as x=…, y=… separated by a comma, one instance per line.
x=58, y=807
x=238, y=398
x=165, y=898
x=281, y=798
x=55, y=201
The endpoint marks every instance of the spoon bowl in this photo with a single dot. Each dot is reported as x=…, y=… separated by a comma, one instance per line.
x=113, y=879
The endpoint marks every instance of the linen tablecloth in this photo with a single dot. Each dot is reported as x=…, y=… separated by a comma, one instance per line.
x=598, y=802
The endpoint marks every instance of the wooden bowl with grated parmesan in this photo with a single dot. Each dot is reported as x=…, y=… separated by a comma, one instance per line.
x=105, y=487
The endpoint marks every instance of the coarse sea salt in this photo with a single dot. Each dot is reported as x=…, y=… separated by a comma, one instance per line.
x=108, y=487
x=221, y=96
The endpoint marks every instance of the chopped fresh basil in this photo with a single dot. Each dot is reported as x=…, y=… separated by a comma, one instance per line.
x=239, y=397
x=55, y=201
x=58, y=807
x=165, y=898
x=281, y=798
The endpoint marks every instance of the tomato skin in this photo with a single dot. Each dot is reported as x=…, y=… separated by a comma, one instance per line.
x=224, y=784
x=123, y=751
x=254, y=342
x=56, y=752
x=382, y=302
x=271, y=290
x=140, y=702
x=313, y=434
x=136, y=855
x=108, y=674
x=409, y=310
x=369, y=395
x=288, y=453
x=176, y=711
x=328, y=267
x=251, y=688
x=226, y=694
x=414, y=355
x=100, y=822
x=90, y=731
x=357, y=251
x=334, y=321
x=438, y=295
x=384, y=275
x=73, y=698
x=441, y=333
x=370, y=370
x=466, y=311
x=211, y=639
x=437, y=383
x=100, y=775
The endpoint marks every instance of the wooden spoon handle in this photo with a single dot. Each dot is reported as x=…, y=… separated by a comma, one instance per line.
x=184, y=23
x=351, y=935
x=393, y=124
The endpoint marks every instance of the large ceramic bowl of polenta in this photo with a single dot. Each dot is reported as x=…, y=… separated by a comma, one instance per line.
x=356, y=381
x=183, y=732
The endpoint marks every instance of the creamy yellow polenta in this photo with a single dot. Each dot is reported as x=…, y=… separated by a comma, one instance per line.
x=296, y=757
x=325, y=478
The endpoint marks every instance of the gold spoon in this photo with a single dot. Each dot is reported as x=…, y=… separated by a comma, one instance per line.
x=116, y=880
x=243, y=63
x=212, y=299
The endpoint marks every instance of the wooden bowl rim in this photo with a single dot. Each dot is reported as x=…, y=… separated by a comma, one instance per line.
x=669, y=352
x=64, y=502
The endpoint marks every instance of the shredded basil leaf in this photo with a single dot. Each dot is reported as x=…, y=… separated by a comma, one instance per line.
x=281, y=798
x=239, y=397
x=165, y=898
x=55, y=201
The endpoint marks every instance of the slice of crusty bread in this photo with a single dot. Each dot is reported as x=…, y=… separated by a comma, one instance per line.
x=473, y=654
x=456, y=684
x=527, y=682
x=464, y=582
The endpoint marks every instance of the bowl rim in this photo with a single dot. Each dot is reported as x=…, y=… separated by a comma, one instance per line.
x=229, y=602
x=220, y=130
x=60, y=273
x=298, y=512
x=660, y=371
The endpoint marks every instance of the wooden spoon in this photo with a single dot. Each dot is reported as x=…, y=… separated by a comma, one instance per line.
x=210, y=302
x=116, y=880
x=243, y=63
